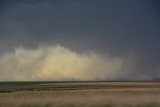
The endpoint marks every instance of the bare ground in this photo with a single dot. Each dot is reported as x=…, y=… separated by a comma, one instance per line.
x=81, y=94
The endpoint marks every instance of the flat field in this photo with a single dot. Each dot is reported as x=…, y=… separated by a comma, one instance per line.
x=79, y=94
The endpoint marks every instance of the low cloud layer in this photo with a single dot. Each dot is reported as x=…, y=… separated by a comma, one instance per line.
x=59, y=63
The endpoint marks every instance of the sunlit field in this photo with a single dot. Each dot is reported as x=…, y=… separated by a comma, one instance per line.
x=79, y=94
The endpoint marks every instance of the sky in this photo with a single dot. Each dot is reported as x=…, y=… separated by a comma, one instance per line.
x=110, y=40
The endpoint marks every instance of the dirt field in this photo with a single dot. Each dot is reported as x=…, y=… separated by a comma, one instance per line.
x=79, y=94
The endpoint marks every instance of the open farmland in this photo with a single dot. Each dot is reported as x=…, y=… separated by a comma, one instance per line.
x=79, y=94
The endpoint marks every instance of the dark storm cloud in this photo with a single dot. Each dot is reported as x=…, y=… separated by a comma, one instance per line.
x=122, y=28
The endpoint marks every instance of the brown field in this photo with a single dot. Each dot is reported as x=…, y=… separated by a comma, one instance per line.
x=79, y=94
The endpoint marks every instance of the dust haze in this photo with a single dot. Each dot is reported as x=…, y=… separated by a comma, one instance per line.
x=59, y=63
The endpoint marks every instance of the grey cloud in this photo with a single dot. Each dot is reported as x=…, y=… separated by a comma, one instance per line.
x=120, y=28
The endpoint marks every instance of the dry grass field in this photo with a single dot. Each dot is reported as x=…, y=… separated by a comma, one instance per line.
x=79, y=94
